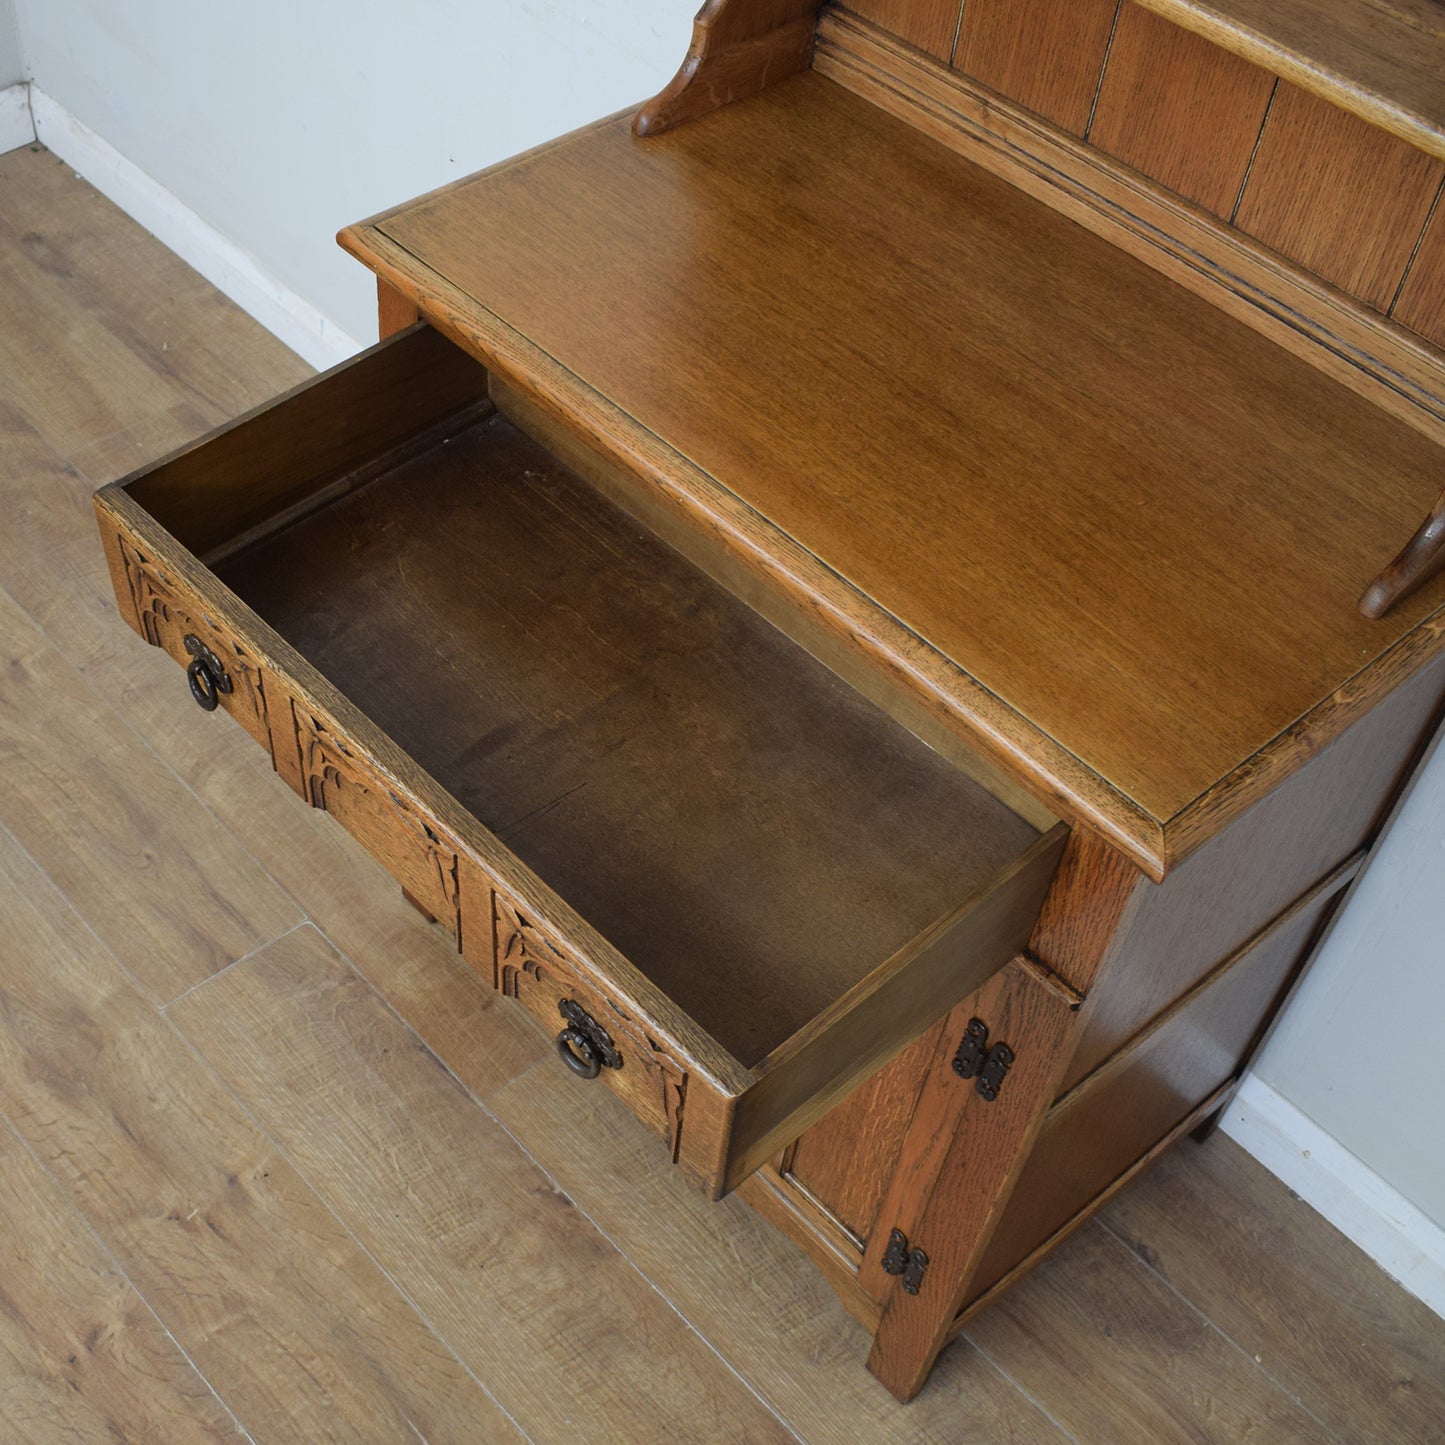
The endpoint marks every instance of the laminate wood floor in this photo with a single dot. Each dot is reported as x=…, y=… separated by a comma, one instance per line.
x=274, y=1165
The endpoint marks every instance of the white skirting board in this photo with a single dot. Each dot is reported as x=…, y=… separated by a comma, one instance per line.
x=1406, y=1243
x=233, y=271
x=16, y=127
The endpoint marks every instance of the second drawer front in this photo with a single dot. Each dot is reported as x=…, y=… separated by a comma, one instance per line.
x=170, y=617
x=528, y=966
x=407, y=843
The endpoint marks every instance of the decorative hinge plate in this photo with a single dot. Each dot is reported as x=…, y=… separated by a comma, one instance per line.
x=976, y=1060
x=898, y=1259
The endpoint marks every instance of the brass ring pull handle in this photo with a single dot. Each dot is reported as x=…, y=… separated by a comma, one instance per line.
x=576, y=1051
x=206, y=675
x=584, y=1045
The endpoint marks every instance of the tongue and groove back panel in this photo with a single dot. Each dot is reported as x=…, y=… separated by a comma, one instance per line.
x=1343, y=195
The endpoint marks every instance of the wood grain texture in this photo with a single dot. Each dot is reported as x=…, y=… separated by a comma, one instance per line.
x=1234, y=885
x=572, y=734
x=312, y=443
x=1281, y=1283
x=394, y=312
x=1382, y=60
x=1170, y=1374
x=833, y=1248
x=1045, y=54
x=1421, y=302
x=161, y=882
x=738, y=48
x=81, y=1356
x=1330, y=329
x=1343, y=199
x=747, y=1289
x=703, y=551
x=1192, y=1123
x=1179, y=109
x=870, y=546
x=1097, y=1131
x=960, y=1162
x=450, y=1208
x=273, y=1300
x=930, y=26
x=845, y=1159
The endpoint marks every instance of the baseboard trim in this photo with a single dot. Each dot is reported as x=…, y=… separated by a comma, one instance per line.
x=1407, y=1244
x=289, y=317
x=17, y=127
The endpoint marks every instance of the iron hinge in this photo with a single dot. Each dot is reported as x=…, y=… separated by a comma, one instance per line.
x=900, y=1260
x=975, y=1060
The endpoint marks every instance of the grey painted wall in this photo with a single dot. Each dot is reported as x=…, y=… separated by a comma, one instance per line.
x=12, y=70
x=1374, y=995
x=279, y=122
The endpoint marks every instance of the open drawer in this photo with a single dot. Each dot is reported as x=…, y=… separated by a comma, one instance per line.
x=729, y=884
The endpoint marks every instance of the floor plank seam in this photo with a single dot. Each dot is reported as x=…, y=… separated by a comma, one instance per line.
x=235, y=962
x=1023, y=1390
x=642, y=1274
x=1253, y=1361
x=105, y=1249
x=165, y=763
x=327, y=1205
x=471, y=1095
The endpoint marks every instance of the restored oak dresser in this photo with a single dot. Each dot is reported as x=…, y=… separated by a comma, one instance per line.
x=842, y=595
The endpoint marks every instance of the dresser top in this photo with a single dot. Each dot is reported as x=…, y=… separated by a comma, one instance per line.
x=1114, y=534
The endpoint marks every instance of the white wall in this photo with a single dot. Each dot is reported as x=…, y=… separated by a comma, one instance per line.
x=280, y=121
x=1362, y=1049
x=12, y=70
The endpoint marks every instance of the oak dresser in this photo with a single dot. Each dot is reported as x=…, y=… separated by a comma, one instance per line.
x=884, y=599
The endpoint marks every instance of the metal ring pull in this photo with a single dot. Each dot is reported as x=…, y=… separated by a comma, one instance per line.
x=584, y=1045
x=578, y=1054
x=206, y=675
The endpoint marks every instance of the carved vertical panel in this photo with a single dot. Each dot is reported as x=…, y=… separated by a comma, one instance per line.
x=529, y=967
x=392, y=828
x=167, y=614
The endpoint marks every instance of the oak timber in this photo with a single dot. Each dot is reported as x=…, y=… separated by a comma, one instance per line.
x=1383, y=60
x=1183, y=111
x=1049, y=537
x=1343, y=199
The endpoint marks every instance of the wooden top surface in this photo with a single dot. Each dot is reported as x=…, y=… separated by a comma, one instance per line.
x=1128, y=531
x=1382, y=59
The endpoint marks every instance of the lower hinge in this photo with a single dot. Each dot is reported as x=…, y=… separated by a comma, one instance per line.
x=975, y=1060
x=910, y=1263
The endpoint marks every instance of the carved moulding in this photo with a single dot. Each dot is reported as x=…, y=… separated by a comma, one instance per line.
x=530, y=968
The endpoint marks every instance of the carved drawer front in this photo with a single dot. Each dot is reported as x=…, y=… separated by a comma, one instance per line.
x=596, y=1038
x=394, y=829
x=222, y=672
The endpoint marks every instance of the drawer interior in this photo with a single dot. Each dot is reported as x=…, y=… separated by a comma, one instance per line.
x=751, y=833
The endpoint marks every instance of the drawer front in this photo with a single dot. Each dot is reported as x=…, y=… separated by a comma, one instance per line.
x=395, y=830
x=528, y=966
x=223, y=673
